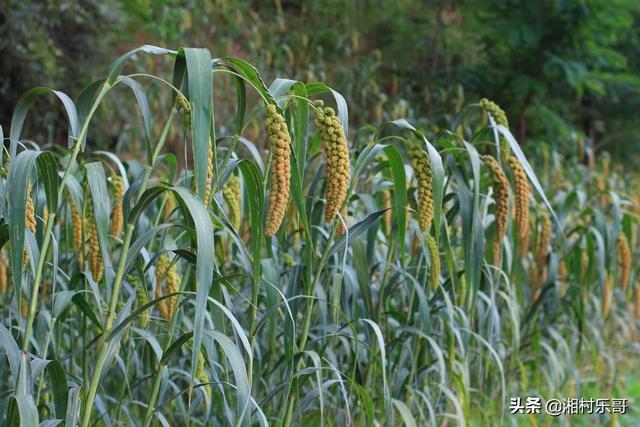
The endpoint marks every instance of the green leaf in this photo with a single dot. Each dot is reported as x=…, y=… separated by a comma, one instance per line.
x=12, y=351
x=239, y=369
x=24, y=105
x=204, y=264
x=252, y=75
x=355, y=231
x=399, y=208
x=200, y=84
x=118, y=64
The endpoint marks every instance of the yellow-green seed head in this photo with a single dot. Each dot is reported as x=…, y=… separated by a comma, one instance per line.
x=435, y=268
x=522, y=191
x=422, y=168
x=337, y=173
x=280, y=146
x=231, y=195
x=95, y=256
x=500, y=118
x=117, y=218
x=623, y=252
x=501, y=197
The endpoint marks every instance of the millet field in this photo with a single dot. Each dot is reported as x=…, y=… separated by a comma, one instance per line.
x=245, y=252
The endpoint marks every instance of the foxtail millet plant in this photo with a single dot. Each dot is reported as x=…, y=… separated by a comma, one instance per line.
x=29, y=221
x=500, y=118
x=96, y=265
x=334, y=144
x=166, y=273
x=141, y=299
x=3, y=274
x=623, y=255
x=422, y=168
x=435, y=267
x=607, y=295
x=76, y=231
x=169, y=205
x=280, y=147
x=522, y=191
x=210, y=171
x=501, y=197
x=202, y=376
x=231, y=196
x=539, y=275
x=117, y=217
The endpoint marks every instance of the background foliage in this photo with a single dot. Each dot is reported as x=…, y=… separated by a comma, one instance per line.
x=563, y=70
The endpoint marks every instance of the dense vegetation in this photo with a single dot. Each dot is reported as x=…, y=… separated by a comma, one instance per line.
x=290, y=269
x=564, y=71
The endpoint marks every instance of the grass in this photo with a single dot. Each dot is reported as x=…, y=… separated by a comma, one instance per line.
x=339, y=323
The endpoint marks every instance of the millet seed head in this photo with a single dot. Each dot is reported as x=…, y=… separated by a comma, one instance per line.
x=522, y=191
x=96, y=264
x=500, y=118
x=231, y=195
x=422, y=167
x=501, y=197
x=435, y=268
x=117, y=218
x=623, y=252
x=337, y=173
x=280, y=147
x=76, y=232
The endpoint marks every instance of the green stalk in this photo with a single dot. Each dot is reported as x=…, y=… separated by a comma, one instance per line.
x=103, y=346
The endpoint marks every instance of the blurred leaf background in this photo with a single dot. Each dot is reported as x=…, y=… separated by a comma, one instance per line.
x=564, y=71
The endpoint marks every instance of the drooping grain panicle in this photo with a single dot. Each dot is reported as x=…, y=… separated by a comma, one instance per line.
x=522, y=191
x=607, y=294
x=210, y=171
x=386, y=204
x=186, y=109
x=166, y=273
x=29, y=221
x=539, y=268
x=500, y=118
x=334, y=144
x=76, y=231
x=501, y=197
x=202, y=376
x=117, y=217
x=169, y=205
x=623, y=253
x=30, y=212
x=231, y=196
x=280, y=146
x=435, y=267
x=95, y=256
x=3, y=275
x=422, y=168
x=141, y=299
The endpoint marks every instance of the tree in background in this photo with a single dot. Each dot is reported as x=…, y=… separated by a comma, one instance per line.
x=559, y=66
x=563, y=70
x=60, y=43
